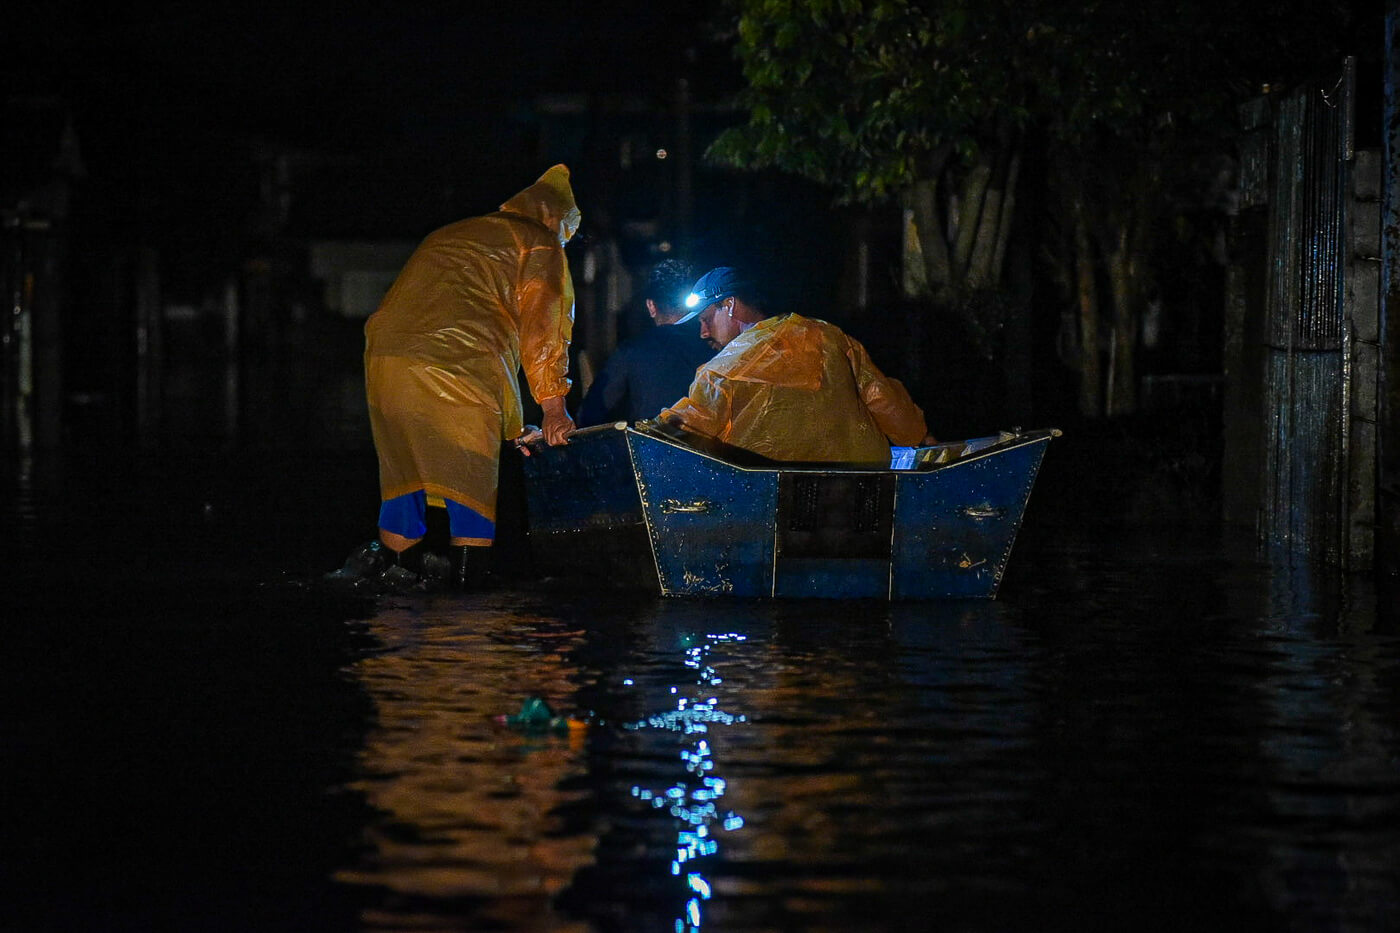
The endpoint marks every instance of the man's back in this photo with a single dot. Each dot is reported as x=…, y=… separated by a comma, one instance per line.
x=798, y=389
x=645, y=374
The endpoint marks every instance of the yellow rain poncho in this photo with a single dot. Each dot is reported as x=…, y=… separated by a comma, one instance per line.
x=477, y=301
x=797, y=389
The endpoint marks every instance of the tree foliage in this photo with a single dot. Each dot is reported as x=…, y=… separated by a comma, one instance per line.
x=934, y=102
x=860, y=96
x=864, y=95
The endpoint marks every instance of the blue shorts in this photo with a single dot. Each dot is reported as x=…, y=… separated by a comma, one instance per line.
x=407, y=516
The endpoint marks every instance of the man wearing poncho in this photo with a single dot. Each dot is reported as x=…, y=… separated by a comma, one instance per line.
x=788, y=387
x=477, y=301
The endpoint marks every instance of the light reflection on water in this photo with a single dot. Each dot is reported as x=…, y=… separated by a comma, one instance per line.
x=696, y=802
x=1128, y=734
x=467, y=808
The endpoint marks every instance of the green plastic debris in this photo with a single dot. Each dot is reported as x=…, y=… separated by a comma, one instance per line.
x=536, y=716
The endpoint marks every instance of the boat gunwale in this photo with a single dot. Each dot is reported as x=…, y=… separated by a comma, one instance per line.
x=1013, y=441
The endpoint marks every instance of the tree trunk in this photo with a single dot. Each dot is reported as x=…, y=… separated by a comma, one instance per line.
x=964, y=244
x=923, y=201
x=970, y=208
x=1087, y=293
x=1013, y=269
x=982, y=269
x=1008, y=206
x=1122, y=275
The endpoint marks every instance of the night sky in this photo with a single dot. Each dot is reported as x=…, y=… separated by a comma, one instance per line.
x=167, y=99
x=396, y=118
x=319, y=72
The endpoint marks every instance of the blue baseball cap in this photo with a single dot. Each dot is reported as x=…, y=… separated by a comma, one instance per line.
x=716, y=285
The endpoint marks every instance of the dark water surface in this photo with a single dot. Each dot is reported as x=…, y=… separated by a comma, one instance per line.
x=1150, y=729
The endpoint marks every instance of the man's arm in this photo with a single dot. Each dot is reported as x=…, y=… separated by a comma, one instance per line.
x=887, y=400
x=546, y=296
x=706, y=409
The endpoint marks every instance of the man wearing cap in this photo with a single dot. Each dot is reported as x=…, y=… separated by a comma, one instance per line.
x=788, y=387
x=654, y=368
x=478, y=301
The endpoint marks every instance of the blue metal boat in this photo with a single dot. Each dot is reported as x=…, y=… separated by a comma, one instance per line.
x=650, y=506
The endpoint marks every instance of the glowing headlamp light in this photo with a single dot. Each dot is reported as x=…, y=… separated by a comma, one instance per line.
x=692, y=300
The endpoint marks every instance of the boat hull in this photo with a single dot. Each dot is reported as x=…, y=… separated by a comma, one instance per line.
x=628, y=506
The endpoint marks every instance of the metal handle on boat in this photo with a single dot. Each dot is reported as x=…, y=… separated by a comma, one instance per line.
x=983, y=511
x=675, y=505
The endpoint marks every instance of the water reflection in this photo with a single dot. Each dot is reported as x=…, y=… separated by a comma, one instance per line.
x=1328, y=693
x=469, y=812
x=1146, y=733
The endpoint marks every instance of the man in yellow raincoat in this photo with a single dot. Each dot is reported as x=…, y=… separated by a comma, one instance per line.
x=788, y=387
x=477, y=301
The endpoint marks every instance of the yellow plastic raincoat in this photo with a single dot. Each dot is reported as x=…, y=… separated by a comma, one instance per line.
x=793, y=388
x=477, y=301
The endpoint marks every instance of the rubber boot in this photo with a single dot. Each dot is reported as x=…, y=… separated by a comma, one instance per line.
x=481, y=568
x=460, y=557
x=367, y=561
x=404, y=574
x=472, y=567
x=411, y=558
x=437, y=570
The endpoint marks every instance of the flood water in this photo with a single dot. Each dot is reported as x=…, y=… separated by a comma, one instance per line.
x=1151, y=728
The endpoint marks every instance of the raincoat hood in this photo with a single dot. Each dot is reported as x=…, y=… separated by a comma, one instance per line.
x=550, y=200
